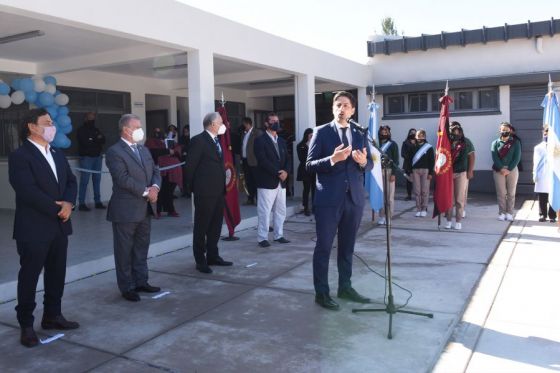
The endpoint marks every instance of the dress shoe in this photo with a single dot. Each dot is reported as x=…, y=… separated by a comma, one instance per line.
x=83, y=208
x=282, y=240
x=173, y=214
x=28, y=337
x=147, y=288
x=270, y=229
x=352, y=295
x=219, y=262
x=553, y=220
x=131, y=296
x=230, y=238
x=203, y=268
x=100, y=206
x=325, y=301
x=59, y=323
x=264, y=243
x=542, y=219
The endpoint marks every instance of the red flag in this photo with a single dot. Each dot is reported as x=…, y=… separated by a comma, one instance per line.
x=231, y=209
x=443, y=193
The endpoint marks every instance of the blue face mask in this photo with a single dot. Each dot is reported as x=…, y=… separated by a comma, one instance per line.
x=274, y=126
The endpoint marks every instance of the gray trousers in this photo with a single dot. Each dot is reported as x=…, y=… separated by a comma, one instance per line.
x=130, y=243
x=505, y=190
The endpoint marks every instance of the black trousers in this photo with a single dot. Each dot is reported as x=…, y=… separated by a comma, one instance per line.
x=165, y=197
x=33, y=257
x=250, y=181
x=409, y=188
x=544, y=208
x=308, y=187
x=208, y=219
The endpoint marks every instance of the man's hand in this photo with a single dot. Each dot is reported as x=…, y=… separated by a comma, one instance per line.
x=152, y=194
x=470, y=174
x=283, y=175
x=429, y=177
x=340, y=153
x=392, y=178
x=360, y=157
x=65, y=210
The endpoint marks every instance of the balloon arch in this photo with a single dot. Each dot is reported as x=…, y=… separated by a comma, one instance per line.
x=42, y=93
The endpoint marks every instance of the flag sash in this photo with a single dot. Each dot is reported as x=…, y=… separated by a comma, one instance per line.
x=420, y=153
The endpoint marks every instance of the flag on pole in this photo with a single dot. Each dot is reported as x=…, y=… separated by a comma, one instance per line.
x=374, y=178
x=443, y=192
x=551, y=118
x=231, y=208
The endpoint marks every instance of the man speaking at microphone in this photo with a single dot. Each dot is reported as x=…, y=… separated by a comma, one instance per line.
x=339, y=155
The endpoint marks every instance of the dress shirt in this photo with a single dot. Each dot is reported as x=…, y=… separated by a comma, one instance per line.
x=46, y=152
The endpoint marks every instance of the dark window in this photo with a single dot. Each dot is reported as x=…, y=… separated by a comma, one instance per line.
x=396, y=104
x=417, y=102
x=464, y=100
x=488, y=98
x=436, y=106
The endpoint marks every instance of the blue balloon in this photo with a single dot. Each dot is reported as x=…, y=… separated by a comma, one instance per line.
x=16, y=84
x=66, y=129
x=31, y=97
x=53, y=112
x=60, y=140
x=4, y=89
x=45, y=99
x=63, y=120
x=57, y=92
x=49, y=79
x=27, y=85
x=63, y=110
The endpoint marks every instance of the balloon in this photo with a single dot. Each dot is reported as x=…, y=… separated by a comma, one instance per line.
x=46, y=99
x=31, y=97
x=18, y=97
x=53, y=111
x=4, y=89
x=26, y=85
x=16, y=84
x=57, y=92
x=63, y=120
x=38, y=85
x=5, y=101
x=63, y=110
x=66, y=129
x=61, y=99
x=50, y=88
x=61, y=141
x=50, y=80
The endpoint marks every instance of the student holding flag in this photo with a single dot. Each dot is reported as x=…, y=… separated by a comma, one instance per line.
x=421, y=163
x=551, y=118
x=391, y=150
x=541, y=178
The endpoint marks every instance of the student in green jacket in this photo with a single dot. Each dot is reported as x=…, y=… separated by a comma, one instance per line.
x=391, y=149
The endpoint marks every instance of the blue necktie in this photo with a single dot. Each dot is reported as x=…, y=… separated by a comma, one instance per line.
x=344, y=137
x=217, y=141
x=136, y=152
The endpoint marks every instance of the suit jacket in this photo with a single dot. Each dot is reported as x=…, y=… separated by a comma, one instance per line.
x=205, y=171
x=251, y=158
x=36, y=217
x=333, y=181
x=130, y=179
x=270, y=162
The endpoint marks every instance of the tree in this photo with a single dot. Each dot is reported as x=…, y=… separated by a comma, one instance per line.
x=388, y=26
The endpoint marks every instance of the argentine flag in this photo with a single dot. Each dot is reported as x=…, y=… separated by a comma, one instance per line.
x=552, y=118
x=374, y=178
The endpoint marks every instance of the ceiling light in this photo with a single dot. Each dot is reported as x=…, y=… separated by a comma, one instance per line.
x=21, y=36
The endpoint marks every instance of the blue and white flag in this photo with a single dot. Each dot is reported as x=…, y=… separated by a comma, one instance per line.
x=374, y=178
x=551, y=118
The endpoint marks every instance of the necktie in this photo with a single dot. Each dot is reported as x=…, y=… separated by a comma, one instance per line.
x=344, y=137
x=217, y=141
x=136, y=152
x=276, y=146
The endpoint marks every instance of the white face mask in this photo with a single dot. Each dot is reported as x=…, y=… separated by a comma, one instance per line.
x=138, y=135
x=222, y=129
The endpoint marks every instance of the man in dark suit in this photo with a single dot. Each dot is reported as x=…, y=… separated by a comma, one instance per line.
x=339, y=155
x=45, y=190
x=136, y=184
x=272, y=172
x=206, y=177
x=248, y=159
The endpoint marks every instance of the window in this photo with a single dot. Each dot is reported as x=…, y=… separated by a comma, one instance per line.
x=488, y=98
x=418, y=102
x=396, y=104
x=464, y=100
x=436, y=106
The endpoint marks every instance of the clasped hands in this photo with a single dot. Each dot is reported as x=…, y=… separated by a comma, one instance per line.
x=341, y=153
x=282, y=175
x=152, y=194
x=65, y=210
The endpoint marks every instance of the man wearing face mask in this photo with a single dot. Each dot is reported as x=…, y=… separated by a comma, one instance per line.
x=45, y=193
x=206, y=177
x=506, y=153
x=90, y=143
x=271, y=177
x=541, y=177
x=136, y=184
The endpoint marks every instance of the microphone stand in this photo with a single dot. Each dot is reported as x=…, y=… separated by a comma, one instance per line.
x=390, y=307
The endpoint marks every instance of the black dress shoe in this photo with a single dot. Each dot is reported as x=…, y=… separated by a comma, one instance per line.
x=542, y=219
x=219, y=262
x=28, y=337
x=59, y=323
x=100, y=206
x=203, y=268
x=352, y=295
x=131, y=296
x=147, y=288
x=264, y=243
x=325, y=301
x=83, y=208
x=282, y=240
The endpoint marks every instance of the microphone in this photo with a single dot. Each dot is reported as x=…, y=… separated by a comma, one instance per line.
x=358, y=125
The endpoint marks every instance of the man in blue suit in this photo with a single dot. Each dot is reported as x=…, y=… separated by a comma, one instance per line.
x=339, y=155
x=46, y=191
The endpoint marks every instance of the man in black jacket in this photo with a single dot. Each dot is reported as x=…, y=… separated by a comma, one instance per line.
x=90, y=143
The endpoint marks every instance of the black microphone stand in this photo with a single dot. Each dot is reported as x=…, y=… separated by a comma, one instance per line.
x=390, y=307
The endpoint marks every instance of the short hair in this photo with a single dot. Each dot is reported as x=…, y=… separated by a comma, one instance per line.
x=32, y=116
x=348, y=95
x=247, y=120
x=421, y=131
x=270, y=114
x=125, y=120
x=209, y=119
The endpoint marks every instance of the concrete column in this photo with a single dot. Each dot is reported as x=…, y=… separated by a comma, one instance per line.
x=305, y=117
x=173, y=110
x=200, y=86
x=362, y=110
x=138, y=106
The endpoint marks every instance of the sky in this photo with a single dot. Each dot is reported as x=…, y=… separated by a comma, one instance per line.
x=343, y=27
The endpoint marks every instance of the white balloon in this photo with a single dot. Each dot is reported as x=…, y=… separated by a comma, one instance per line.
x=51, y=88
x=39, y=85
x=61, y=99
x=18, y=97
x=5, y=102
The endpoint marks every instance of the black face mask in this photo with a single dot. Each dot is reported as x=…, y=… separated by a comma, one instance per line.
x=505, y=133
x=383, y=137
x=89, y=123
x=412, y=137
x=421, y=141
x=455, y=137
